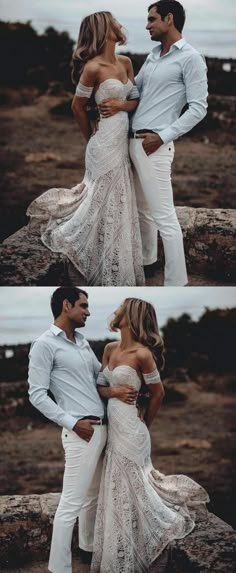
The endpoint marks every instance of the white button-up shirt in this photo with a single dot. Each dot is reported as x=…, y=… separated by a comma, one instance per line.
x=69, y=371
x=166, y=83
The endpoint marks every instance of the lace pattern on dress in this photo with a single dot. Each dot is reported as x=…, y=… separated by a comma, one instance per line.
x=140, y=510
x=95, y=224
x=152, y=377
x=83, y=91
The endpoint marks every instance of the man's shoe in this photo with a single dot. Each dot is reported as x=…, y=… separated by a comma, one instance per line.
x=85, y=556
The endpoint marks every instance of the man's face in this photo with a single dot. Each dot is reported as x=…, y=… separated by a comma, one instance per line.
x=79, y=312
x=156, y=26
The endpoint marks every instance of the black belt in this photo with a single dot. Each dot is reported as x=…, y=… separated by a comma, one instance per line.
x=132, y=134
x=102, y=421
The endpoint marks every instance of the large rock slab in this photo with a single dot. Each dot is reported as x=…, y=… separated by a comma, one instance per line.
x=211, y=547
x=26, y=528
x=209, y=239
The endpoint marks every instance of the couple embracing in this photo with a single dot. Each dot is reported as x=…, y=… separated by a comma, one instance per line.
x=107, y=225
x=128, y=511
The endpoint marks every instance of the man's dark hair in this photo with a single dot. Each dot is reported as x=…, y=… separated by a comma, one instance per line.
x=72, y=294
x=163, y=7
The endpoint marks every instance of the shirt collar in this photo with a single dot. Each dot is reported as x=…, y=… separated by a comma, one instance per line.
x=55, y=329
x=179, y=45
x=58, y=331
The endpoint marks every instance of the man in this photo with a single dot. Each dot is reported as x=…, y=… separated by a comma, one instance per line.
x=173, y=75
x=62, y=361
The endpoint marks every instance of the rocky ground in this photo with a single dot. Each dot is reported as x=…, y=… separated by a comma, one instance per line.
x=40, y=149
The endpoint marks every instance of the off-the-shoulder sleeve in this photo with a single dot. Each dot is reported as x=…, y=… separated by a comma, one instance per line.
x=101, y=380
x=152, y=377
x=134, y=93
x=83, y=91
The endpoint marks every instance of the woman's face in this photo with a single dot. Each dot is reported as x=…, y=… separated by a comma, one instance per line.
x=120, y=317
x=115, y=33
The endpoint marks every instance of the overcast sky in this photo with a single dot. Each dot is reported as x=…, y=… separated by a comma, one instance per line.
x=25, y=311
x=210, y=15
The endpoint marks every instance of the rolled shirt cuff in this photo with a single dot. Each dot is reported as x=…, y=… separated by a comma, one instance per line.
x=166, y=135
x=69, y=422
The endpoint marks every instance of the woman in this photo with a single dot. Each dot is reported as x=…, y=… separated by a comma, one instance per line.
x=95, y=224
x=139, y=509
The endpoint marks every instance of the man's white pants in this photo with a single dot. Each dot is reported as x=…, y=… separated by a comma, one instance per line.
x=83, y=465
x=154, y=194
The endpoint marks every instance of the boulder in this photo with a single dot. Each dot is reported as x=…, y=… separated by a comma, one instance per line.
x=26, y=528
x=209, y=239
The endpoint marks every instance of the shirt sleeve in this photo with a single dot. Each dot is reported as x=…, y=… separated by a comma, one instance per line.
x=96, y=364
x=195, y=80
x=139, y=78
x=134, y=93
x=101, y=380
x=40, y=367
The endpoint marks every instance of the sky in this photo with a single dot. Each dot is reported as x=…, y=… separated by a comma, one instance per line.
x=25, y=311
x=212, y=16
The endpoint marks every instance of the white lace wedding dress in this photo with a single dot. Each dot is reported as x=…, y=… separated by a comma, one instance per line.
x=95, y=224
x=139, y=509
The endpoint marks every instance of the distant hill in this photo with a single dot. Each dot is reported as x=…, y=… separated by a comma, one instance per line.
x=207, y=345
x=28, y=58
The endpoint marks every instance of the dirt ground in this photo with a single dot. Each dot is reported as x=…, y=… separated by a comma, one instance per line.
x=193, y=437
x=204, y=172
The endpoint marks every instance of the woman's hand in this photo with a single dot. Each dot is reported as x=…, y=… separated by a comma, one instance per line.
x=125, y=393
x=109, y=107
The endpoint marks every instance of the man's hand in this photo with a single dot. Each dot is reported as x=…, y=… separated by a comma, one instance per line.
x=84, y=429
x=109, y=107
x=125, y=393
x=151, y=142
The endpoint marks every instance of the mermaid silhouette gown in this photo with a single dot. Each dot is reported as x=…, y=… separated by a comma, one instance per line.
x=95, y=224
x=139, y=509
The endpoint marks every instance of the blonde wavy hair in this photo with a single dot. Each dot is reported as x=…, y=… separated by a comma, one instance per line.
x=142, y=322
x=93, y=34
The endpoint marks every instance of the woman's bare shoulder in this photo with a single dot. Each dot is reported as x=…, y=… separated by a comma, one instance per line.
x=90, y=71
x=124, y=59
x=110, y=346
x=144, y=357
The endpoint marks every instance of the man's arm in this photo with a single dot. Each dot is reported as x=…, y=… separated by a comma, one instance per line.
x=40, y=367
x=124, y=393
x=110, y=106
x=96, y=363
x=139, y=77
x=195, y=80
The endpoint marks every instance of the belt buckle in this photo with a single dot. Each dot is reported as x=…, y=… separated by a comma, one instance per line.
x=100, y=421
